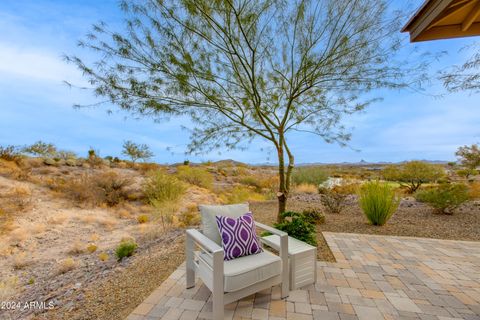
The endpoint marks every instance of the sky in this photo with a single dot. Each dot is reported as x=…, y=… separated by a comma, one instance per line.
x=35, y=104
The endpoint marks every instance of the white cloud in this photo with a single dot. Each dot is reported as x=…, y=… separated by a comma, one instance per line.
x=35, y=64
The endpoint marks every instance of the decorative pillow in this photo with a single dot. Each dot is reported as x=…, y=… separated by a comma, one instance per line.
x=209, y=222
x=238, y=236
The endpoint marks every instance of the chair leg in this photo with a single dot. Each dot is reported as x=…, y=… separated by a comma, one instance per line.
x=218, y=302
x=189, y=252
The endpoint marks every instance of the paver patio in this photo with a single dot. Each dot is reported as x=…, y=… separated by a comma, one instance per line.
x=375, y=277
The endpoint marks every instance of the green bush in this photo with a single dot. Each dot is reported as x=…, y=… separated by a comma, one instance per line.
x=195, y=175
x=378, y=202
x=161, y=187
x=298, y=226
x=309, y=175
x=444, y=198
x=125, y=249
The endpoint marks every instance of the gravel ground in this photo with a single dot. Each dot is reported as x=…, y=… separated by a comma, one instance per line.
x=412, y=219
x=116, y=296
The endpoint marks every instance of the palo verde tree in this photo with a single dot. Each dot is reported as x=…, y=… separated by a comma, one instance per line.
x=413, y=174
x=136, y=151
x=244, y=70
x=469, y=157
x=466, y=76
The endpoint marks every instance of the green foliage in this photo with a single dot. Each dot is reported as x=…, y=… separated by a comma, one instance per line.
x=378, y=202
x=10, y=153
x=445, y=197
x=161, y=187
x=136, y=151
x=41, y=149
x=413, y=174
x=250, y=69
x=298, y=226
x=240, y=194
x=197, y=176
x=125, y=249
x=467, y=172
x=186, y=162
x=469, y=156
x=309, y=175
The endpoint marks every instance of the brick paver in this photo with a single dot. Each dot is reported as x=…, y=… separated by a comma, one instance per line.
x=375, y=277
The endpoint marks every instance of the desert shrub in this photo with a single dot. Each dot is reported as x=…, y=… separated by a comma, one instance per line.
x=309, y=175
x=10, y=153
x=41, y=149
x=125, y=249
x=240, y=194
x=474, y=190
x=66, y=265
x=103, y=256
x=91, y=248
x=76, y=248
x=334, y=199
x=165, y=211
x=413, y=174
x=189, y=217
x=378, y=202
x=305, y=188
x=93, y=189
x=136, y=151
x=466, y=172
x=444, y=198
x=162, y=187
x=197, y=176
x=68, y=156
x=143, y=218
x=112, y=187
x=16, y=200
x=20, y=261
x=298, y=227
x=313, y=216
x=146, y=167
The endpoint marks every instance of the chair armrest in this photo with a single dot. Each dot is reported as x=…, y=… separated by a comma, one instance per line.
x=203, y=241
x=270, y=229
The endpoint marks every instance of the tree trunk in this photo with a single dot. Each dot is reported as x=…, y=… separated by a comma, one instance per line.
x=282, y=191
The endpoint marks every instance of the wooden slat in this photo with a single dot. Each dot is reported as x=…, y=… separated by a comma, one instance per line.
x=447, y=32
x=473, y=14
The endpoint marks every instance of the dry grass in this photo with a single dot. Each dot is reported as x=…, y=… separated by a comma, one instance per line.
x=17, y=199
x=21, y=261
x=307, y=188
x=38, y=228
x=76, y=248
x=19, y=235
x=474, y=190
x=8, y=287
x=59, y=218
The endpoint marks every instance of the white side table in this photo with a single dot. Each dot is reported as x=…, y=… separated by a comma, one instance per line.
x=302, y=259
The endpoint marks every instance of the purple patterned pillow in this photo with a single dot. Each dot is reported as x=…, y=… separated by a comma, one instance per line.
x=238, y=236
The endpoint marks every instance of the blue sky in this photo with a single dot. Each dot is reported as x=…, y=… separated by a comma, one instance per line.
x=36, y=105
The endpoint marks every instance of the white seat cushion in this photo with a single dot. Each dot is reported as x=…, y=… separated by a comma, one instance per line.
x=245, y=271
x=209, y=223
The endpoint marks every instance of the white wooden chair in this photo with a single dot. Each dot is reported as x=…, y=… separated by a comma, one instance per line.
x=235, y=279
